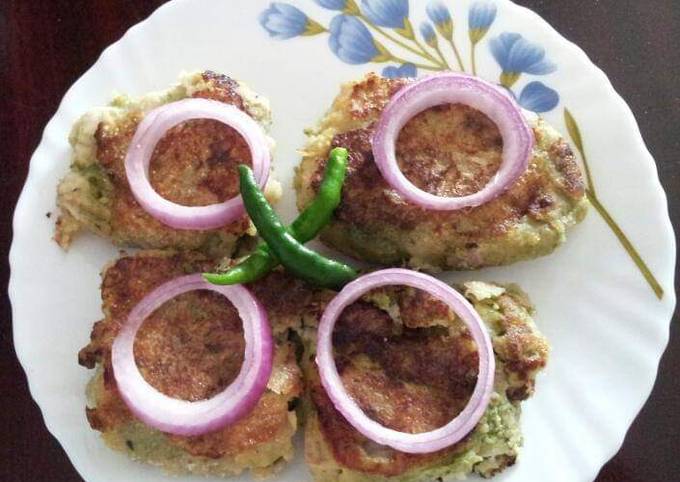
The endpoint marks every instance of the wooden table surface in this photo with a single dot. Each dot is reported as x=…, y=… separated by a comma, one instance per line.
x=46, y=45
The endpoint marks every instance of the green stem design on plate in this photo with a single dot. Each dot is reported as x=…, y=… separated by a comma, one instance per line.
x=420, y=66
x=473, y=58
x=423, y=55
x=575, y=133
x=441, y=55
x=508, y=79
x=313, y=28
x=432, y=58
x=459, y=59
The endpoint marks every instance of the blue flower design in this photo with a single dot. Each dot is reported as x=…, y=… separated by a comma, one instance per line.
x=351, y=41
x=441, y=18
x=538, y=97
x=406, y=70
x=428, y=34
x=284, y=21
x=332, y=4
x=481, y=16
x=516, y=55
x=347, y=6
x=386, y=13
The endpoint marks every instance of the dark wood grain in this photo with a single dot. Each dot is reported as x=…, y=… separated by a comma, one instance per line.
x=46, y=45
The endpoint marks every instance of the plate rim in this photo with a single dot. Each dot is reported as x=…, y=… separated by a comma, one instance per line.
x=663, y=214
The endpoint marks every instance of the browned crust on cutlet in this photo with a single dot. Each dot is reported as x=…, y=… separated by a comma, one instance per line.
x=369, y=201
x=522, y=353
x=393, y=370
x=566, y=164
x=192, y=347
x=410, y=368
x=504, y=461
x=352, y=450
x=194, y=164
x=449, y=150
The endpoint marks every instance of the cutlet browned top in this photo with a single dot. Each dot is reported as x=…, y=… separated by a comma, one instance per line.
x=192, y=347
x=403, y=356
x=410, y=377
x=194, y=164
x=451, y=150
x=448, y=150
x=415, y=373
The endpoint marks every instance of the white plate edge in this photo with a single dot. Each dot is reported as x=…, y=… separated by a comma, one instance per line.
x=663, y=215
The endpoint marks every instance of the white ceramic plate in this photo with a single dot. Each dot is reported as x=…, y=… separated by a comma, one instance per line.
x=607, y=327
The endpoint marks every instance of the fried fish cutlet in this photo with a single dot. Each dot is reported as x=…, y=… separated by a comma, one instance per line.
x=412, y=366
x=449, y=150
x=191, y=348
x=194, y=164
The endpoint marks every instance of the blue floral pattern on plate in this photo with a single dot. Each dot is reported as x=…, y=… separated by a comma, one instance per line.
x=380, y=31
x=516, y=56
x=406, y=70
x=480, y=18
x=537, y=97
x=428, y=34
x=284, y=21
x=386, y=13
x=333, y=4
x=441, y=18
x=351, y=41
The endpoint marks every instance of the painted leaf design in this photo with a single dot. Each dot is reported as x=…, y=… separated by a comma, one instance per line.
x=574, y=131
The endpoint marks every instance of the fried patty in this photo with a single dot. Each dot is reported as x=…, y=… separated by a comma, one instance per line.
x=194, y=164
x=412, y=365
x=404, y=356
x=448, y=150
x=191, y=348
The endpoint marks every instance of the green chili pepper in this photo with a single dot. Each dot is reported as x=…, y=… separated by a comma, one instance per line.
x=303, y=229
x=318, y=213
x=299, y=260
